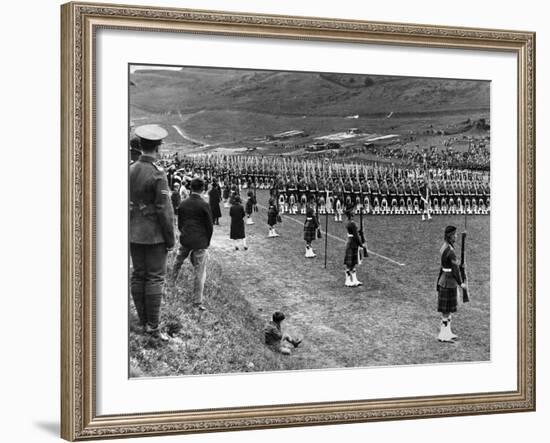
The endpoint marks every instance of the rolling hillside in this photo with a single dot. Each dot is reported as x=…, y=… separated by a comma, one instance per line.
x=294, y=93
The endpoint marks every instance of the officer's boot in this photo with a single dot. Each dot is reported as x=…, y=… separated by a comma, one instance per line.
x=139, y=303
x=152, y=303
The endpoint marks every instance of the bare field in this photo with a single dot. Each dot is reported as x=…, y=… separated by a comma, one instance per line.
x=390, y=320
x=206, y=131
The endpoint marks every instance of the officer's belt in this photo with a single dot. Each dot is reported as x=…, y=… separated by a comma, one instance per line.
x=446, y=270
x=145, y=209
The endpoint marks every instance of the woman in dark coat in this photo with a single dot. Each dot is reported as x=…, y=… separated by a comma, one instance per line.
x=351, y=259
x=214, y=198
x=225, y=194
x=236, y=212
x=310, y=231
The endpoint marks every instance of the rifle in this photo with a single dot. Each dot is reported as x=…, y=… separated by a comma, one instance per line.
x=255, y=207
x=462, y=267
x=318, y=233
x=279, y=218
x=326, y=230
x=362, y=234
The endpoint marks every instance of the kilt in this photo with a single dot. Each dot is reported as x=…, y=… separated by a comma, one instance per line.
x=249, y=207
x=272, y=217
x=351, y=258
x=447, y=299
x=310, y=230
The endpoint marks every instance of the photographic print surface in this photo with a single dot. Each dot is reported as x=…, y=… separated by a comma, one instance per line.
x=302, y=220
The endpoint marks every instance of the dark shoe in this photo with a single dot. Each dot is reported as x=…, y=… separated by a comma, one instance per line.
x=156, y=333
x=236, y=248
x=246, y=248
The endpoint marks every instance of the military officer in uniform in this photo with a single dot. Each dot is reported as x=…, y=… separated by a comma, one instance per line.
x=135, y=151
x=151, y=228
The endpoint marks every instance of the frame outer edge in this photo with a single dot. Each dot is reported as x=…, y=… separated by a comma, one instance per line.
x=68, y=401
x=532, y=143
x=67, y=129
x=77, y=408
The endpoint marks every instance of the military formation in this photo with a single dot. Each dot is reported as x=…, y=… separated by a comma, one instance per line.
x=170, y=192
x=377, y=189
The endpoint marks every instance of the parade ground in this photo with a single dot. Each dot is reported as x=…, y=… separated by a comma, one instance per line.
x=391, y=319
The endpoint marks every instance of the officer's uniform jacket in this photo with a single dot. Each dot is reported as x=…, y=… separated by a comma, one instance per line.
x=151, y=212
x=449, y=274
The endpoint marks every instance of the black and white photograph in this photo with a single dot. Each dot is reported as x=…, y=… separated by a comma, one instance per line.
x=283, y=221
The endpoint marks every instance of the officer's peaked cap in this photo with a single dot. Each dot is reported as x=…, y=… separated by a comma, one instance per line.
x=151, y=132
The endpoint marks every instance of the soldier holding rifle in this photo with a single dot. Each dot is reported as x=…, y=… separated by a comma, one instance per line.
x=351, y=259
x=449, y=280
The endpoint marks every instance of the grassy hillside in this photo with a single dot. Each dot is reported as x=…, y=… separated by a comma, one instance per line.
x=294, y=93
x=390, y=320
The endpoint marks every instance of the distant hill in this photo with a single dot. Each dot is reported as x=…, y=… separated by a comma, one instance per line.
x=294, y=93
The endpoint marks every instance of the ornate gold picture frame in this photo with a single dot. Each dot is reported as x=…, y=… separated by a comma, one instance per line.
x=80, y=23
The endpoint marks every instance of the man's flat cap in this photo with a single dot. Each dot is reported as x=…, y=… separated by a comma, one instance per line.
x=151, y=132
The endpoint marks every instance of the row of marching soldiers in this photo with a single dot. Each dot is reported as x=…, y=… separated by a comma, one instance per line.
x=427, y=193
x=412, y=197
x=152, y=236
x=393, y=200
x=355, y=248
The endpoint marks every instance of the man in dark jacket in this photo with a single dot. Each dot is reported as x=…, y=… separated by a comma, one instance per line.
x=196, y=227
x=151, y=228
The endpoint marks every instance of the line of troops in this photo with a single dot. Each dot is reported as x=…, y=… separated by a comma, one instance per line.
x=368, y=193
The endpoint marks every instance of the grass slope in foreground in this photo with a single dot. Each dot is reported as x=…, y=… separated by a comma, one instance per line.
x=227, y=338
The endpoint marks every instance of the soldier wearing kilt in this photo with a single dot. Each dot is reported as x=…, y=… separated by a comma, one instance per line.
x=348, y=192
x=448, y=282
x=351, y=258
x=357, y=194
x=249, y=209
x=272, y=218
x=291, y=188
x=311, y=225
